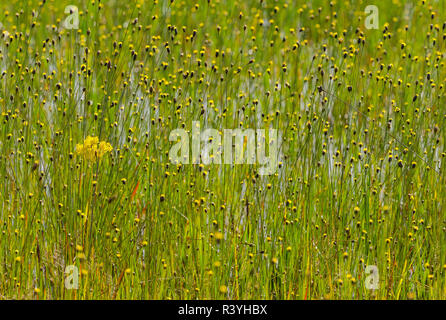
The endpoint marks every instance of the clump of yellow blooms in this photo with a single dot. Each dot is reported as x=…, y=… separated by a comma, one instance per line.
x=92, y=149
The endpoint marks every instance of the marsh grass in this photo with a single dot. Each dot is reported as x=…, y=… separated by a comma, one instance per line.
x=361, y=183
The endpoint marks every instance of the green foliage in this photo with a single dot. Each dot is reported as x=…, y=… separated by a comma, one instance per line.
x=361, y=182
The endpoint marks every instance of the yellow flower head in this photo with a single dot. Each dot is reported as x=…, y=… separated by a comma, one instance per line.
x=92, y=149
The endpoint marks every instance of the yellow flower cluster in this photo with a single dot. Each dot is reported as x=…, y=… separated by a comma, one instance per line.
x=92, y=149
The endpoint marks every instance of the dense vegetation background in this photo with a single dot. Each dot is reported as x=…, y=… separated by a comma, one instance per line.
x=86, y=179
